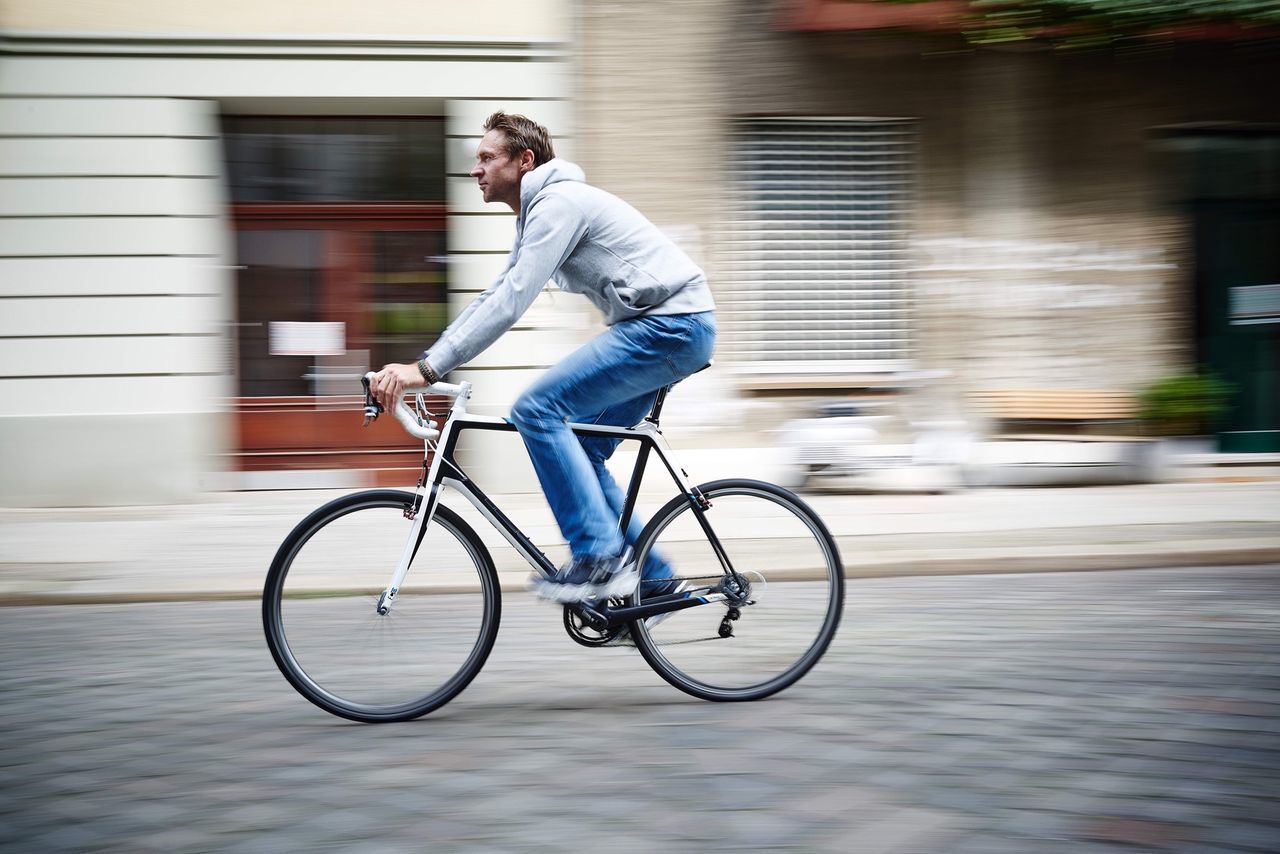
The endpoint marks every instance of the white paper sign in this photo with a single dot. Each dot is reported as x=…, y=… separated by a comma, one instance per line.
x=292, y=338
x=1255, y=304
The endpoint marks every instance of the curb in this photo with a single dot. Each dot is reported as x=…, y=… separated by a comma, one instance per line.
x=994, y=564
x=1075, y=562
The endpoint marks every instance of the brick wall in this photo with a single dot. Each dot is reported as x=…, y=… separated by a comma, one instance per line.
x=1047, y=249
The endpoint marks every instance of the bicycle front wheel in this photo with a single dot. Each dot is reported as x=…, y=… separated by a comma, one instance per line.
x=761, y=639
x=319, y=609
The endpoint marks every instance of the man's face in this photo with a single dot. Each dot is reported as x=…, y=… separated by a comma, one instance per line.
x=497, y=172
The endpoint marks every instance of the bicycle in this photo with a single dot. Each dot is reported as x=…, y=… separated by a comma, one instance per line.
x=759, y=596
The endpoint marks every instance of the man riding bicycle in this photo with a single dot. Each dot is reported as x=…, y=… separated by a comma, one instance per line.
x=661, y=327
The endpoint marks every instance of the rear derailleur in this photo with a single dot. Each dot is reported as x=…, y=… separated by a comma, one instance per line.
x=737, y=592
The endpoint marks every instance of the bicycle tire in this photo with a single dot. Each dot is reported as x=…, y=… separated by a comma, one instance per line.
x=326, y=578
x=764, y=529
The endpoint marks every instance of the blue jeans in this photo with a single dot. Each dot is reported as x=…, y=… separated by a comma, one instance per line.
x=612, y=380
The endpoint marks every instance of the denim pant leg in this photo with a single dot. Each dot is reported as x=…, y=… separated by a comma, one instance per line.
x=599, y=449
x=630, y=359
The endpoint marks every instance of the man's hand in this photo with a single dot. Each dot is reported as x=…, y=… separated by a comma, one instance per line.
x=389, y=384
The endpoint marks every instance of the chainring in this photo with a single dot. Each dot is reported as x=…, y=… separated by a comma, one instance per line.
x=584, y=634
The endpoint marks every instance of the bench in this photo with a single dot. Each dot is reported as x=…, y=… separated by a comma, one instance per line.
x=1059, y=409
x=1072, y=437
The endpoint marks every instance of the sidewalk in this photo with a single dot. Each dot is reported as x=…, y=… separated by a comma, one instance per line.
x=222, y=546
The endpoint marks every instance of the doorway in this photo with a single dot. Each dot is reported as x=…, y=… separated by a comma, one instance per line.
x=1229, y=185
x=340, y=246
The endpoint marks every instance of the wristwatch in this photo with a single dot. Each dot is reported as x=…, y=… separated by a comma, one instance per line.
x=428, y=373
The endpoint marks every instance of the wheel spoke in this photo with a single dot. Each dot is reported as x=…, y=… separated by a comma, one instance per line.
x=337, y=651
x=782, y=619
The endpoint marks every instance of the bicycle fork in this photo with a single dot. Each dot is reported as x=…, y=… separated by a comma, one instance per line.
x=420, y=513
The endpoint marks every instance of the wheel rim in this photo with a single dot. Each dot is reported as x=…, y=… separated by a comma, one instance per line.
x=340, y=653
x=775, y=640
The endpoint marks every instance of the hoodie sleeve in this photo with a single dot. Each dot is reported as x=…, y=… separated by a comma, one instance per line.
x=461, y=319
x=553, y=226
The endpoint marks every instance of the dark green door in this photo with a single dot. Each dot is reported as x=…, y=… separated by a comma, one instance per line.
x=1238, y=272
x=1235, y=208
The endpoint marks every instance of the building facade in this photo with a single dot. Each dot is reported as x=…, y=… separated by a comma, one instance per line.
x=212, y=218
x=210, y=229
x=876, y=199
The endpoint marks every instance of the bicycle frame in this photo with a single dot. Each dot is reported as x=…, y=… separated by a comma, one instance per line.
x=444, y=470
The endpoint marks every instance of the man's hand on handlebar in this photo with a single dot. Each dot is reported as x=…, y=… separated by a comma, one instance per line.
x=388, y=385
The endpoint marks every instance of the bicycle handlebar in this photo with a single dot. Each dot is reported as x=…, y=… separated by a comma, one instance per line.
x=412, y=423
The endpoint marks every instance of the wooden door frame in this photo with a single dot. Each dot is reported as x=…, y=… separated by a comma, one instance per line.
x=328, y=434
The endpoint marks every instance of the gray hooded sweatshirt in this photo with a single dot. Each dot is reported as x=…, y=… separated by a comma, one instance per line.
x=590, y=242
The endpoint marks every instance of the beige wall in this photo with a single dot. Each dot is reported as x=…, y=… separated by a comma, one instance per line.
x=523, y=20
x=117, y=256
x=1046, y=254
x=114, y=265
x=651, y=88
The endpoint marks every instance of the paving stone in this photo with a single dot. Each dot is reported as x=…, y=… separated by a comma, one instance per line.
x=1245, y=836
x=1045, y=713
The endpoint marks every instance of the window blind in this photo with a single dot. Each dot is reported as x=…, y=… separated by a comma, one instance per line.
x=818, y=245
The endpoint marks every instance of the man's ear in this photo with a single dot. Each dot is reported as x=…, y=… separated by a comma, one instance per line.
x=526, y=161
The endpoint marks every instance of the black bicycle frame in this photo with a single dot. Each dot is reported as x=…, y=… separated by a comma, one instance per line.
x=450, y=470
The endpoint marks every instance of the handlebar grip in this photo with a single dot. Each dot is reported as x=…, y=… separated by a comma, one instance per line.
x=445, y=389
x=412, y=424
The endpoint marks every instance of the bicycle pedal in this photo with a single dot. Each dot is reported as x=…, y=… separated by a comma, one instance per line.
x=592, y=617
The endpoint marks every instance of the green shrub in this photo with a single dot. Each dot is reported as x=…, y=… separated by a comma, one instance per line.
x=1184, y=405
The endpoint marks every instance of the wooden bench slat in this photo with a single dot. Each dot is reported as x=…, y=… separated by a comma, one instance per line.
x=1057, y=404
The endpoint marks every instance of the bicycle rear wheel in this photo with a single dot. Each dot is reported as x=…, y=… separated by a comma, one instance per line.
x=789, y=614
x=319, y=609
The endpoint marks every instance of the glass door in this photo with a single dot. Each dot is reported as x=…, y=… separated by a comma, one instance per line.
x=340, y=247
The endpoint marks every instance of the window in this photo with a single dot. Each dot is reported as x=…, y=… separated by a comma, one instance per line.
x=386, y=288
x=818, y=246
x=304, y=159
x=340, y=247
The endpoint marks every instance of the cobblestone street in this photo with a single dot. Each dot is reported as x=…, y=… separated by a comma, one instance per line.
x=1079, y=712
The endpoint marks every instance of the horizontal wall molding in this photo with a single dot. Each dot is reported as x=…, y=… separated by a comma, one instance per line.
x=155, y=157
x=278, y=76
x=112, y=276
x=110, y=317
x=155, y=393
x=282, y=46
x=140, y=356
x=99, y=236
x=27, y=117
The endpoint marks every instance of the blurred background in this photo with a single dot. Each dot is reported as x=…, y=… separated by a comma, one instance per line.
x=215, y=216
x=954, y=244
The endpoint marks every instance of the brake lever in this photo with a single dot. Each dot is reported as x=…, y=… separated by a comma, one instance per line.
x=371, y=407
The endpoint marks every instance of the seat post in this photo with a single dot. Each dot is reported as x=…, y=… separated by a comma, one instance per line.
x=656, y=410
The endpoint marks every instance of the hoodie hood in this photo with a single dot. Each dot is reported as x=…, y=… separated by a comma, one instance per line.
x=588, y=242
x=553, y=171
